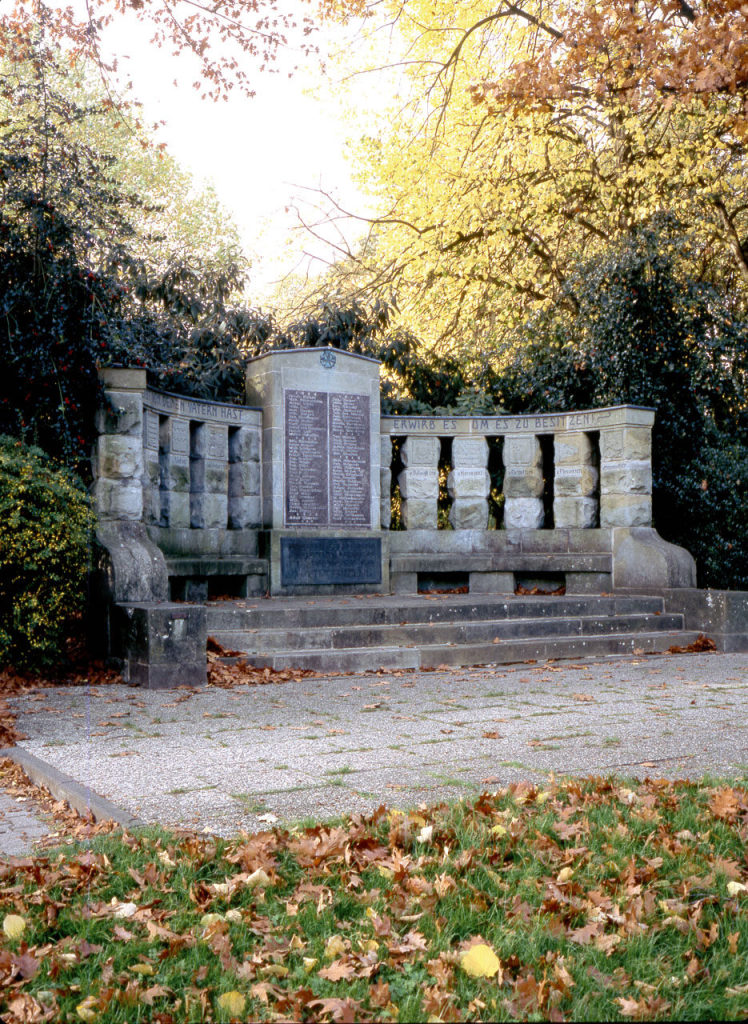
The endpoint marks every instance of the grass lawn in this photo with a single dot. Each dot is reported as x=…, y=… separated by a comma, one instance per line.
x=595, y=899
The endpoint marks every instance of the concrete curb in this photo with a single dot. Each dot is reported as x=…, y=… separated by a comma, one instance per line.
x=64, y=787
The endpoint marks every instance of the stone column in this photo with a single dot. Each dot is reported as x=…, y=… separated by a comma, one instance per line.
x=244, y=478
x=575, y=482
x=209, y=474
x=469, y=483
x=419, y=482
x=626, y=476
x=523, y=483
x=118, y=450
x=174, y=466
x=385, y=482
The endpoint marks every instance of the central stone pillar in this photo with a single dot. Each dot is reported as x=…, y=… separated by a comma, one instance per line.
x=419, y=482
x=320, y=470
x=576, y=481
x=469, y=483
x=523, y=483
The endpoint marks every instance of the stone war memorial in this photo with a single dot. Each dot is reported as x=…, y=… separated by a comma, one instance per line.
x=260, y=524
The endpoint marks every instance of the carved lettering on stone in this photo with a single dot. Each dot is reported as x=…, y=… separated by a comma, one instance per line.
x=328, y=459
x=306, y=458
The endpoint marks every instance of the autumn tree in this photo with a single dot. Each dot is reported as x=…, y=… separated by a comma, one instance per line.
x=95, y=268
x=230, y=40
x=525, y=136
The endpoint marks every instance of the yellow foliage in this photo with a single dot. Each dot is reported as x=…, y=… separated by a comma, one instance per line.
x=480, y=961
x=232, y=1002
x=14, y=926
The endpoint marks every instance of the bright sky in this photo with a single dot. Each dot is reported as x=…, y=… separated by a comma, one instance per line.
x=259, y=153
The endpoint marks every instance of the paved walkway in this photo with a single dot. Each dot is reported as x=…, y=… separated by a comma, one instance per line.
x=20, y=825
x=224, y=760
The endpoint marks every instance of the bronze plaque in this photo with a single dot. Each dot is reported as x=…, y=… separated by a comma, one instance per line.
x=306, y=458
x=320, y=561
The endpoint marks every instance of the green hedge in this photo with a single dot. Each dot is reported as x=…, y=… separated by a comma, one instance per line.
x=44, y=543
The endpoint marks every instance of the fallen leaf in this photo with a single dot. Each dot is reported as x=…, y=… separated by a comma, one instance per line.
x=334, y=947
x=88, y=1010
x=146, y=970
x=480, y=961
x=232, y=1002
x=339, y=970
x=123, y=909
x=14, y=926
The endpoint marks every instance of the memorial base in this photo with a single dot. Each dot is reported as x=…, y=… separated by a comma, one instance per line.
x=327, y=561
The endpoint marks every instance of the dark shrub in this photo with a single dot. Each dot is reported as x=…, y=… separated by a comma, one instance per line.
x=46, y=522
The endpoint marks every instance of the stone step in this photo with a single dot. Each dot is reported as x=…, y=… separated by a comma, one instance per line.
x=310, y=613
x=506, y=652
x=457, y=631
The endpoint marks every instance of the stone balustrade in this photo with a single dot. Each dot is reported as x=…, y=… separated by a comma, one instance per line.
x=177, y=492
x=173, y=462
x=578, y=470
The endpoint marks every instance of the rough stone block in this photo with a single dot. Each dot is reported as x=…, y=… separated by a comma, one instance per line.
x=151, y=469
x=626, y=477
x=174, y=436
x=625, y=510
x=210, y=475
x=575, y=481
x=404, y=582
x=174, y=473
x=209, y=441
x=385, y=450
x=114, y=499
x=244, y=478
x=572, y=449
x=164, y=645
x=522, y=451
x=385, y=512
x=175, y=509
x=151, y=504
x=469, y=482
x=419, y=482
x=523, y=513
x=491, y=582
x=641, y=558
x=124, y=414
x=469, y=451
x=118, y=458
x=150, y=431
x=522, y=482
x=469, y=514
x=418, y=515
x=208, y=511
x=244, y=445
x=625, y=443
x=576, y=512
x=420, y=451
x=244, y=512
x=588, y=583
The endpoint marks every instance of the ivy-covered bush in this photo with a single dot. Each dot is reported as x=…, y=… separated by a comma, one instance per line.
x=46, y=522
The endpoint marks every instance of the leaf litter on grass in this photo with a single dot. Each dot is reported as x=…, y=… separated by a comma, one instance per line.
x=585, y=899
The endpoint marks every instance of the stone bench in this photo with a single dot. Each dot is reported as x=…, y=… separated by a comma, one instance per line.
x=198, y=579
x=501, y=574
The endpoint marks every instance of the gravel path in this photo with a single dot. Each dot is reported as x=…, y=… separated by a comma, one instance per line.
x=225, y=760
